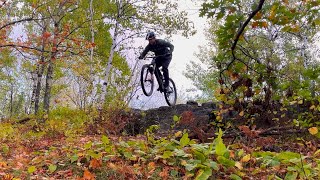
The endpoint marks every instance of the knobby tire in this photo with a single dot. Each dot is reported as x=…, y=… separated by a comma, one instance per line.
x=147, y=80
x=171, y=98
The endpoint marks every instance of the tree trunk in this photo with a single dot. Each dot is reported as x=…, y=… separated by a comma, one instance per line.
x=39, y=73
x=113, y=47
x=38, y=88
x=91, y=51
x=47, y=93
x=49, y=77
x=11, y=100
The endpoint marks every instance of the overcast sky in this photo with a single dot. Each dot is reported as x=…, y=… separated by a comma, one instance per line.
x=184, y=50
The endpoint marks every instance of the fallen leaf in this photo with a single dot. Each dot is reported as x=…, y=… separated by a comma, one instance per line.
x=112, y=166
x=313, y=130
x=239, y=165
x=178, y=134
x=246, y=158
x=87, y=175
x=95, y=163
x=241, y=113
x=165, y=173
x=32, y=169
x=312, y=107
x=3, y=164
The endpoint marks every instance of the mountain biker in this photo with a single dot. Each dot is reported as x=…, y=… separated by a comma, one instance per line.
x=164, y=50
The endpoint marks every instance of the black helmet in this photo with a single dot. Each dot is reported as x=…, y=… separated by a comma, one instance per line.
x=150, y=35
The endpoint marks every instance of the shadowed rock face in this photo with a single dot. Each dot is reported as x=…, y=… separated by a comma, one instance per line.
x=191, y=115
x=197, y=119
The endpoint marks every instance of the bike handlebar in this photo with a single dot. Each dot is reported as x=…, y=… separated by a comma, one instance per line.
x=153, y=57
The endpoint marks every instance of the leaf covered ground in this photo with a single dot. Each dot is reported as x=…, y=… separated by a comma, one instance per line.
x=29, y=152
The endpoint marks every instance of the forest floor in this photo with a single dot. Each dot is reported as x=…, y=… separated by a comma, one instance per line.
x=26, y=152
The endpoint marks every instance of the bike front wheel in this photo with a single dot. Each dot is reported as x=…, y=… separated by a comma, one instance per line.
x=171, y=95
x=147, y=80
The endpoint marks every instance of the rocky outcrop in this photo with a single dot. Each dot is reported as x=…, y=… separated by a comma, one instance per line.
x=201, y=123
x=191, y=115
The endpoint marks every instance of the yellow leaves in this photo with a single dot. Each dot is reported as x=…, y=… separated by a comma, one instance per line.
x=241, y=37
x=257, y=91
x=285, y=1
x=272, y=12
x=245, y=158
x=183, y=162
x=300, y=102
x=239, y=165
x=296, y=102
x=313, y=130
x=295, y=29
x=178, y=134
x=219, y=118
x=241, y=113
x=31, y=169
x=258, y=16
x=312, y=107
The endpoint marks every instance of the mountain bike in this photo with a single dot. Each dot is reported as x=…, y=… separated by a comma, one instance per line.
x=148, y=72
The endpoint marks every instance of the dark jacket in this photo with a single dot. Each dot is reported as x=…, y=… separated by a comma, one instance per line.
x=161, y=47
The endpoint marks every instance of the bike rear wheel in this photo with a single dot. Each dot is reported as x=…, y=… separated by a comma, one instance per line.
x=147, y=80
x=171, y=96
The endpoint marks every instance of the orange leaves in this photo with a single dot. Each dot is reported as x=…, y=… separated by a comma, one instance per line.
x=87, y=175
x=46, y=35
x=261, y=24
x=164, y=174
x=7, y=177
x=3, y=164
x=255, y=24
x=151, y=167
x=95, y=163
x=313, y=130
x=258, y=16
x=248, y=132
x=285, y=1
x=264, y=24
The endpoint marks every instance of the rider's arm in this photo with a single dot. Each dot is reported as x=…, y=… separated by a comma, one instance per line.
x=171, y=47
x=145, y=51
x=168, y=44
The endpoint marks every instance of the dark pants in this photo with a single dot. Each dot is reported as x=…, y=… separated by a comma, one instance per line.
x=164, y=62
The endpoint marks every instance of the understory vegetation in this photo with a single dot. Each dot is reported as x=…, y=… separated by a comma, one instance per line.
x=65, y=147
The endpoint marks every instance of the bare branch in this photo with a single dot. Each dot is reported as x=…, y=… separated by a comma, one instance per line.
x=244, y=25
